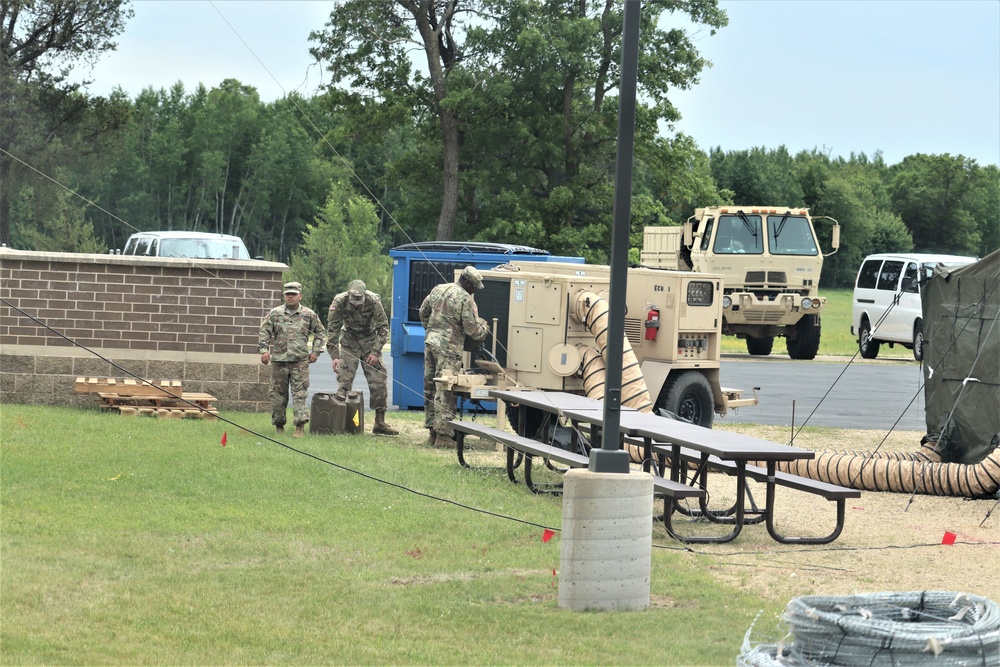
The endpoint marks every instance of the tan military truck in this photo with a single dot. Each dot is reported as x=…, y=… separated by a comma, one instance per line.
x=549, y=324
x=770, y=262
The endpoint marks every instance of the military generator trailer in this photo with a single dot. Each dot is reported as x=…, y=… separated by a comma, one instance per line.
x=550, y=329
x=770, y=262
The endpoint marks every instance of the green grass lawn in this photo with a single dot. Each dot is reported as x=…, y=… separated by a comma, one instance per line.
x=836, y=338
x=144, y=541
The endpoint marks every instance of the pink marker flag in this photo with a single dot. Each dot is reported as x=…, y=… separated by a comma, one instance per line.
x=949, y=537
x=223, y=438
x=547, y=535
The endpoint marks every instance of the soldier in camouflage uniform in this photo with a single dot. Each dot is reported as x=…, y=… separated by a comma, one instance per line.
x=449, y=314
x=283, y=342
x=358, y=330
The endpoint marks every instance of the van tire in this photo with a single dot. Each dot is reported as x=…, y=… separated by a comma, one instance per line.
x=760, y=346
x=867, y=345
x=918, y=340
x=689, y=396
x=806, y=343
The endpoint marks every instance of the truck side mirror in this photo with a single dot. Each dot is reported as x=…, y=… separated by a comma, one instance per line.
x=835, y=239
x=688, y=235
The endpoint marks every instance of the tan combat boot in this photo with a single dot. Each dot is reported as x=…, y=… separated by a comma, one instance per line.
x=380, y=427
x=445, y=442
x=279, y=428
x=300, y=431
x=431, y=437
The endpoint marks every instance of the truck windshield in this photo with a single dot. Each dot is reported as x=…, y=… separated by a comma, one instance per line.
x=203, y=249
x=791, y=235
x=739, y=234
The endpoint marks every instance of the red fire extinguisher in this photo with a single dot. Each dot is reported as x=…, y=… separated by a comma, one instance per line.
x=652, y=322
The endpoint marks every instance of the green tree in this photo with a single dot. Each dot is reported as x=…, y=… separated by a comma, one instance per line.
x=759, y=176
x=853, y=197
x=55, y=224
x=933, y=194
x=342, y=245
x=531, y=86
x=40, y=42
x=367, y=45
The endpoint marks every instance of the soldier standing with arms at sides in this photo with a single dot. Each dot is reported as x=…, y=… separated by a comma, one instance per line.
x=283, y=342
x=358, y=330
x=449, y=314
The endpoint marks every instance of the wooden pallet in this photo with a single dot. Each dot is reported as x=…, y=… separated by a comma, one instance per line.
x=127, y=386
x=165, y=413
x=162, y=398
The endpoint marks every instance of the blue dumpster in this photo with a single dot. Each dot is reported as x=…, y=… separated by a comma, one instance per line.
x=416, y=269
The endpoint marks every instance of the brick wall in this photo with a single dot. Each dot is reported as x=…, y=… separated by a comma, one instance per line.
x=160, y=318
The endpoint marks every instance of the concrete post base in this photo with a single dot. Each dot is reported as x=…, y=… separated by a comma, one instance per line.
x=607, y=532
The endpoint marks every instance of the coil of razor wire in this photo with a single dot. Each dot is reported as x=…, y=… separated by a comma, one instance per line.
x=938, y=628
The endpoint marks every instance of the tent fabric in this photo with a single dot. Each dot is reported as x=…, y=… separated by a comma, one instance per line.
x=961, y=319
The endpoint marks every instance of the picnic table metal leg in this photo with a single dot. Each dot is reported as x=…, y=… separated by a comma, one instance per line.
x=668, y=503
x=511, y=465
x=460, y=448
x=784, y=539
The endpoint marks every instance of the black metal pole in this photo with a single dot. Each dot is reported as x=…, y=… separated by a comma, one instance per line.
x=610, y=457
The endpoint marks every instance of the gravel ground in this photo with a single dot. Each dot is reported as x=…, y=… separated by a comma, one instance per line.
x=890, y=541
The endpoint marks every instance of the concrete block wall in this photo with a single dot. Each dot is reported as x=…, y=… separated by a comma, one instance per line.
x=67, y=315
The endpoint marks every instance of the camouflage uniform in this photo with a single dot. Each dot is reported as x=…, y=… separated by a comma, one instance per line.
x=449, y=314
x=356, y=331
x=285, y=333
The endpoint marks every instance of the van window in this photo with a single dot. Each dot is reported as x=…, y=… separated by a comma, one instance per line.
x=888, y=279
x=868, y=275
x=141, y=246
x=910, y=278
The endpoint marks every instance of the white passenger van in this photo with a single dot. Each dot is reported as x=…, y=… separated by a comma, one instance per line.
x=886, y=305
x=191, y=245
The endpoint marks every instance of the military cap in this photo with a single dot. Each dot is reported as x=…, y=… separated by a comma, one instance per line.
x=293, y=288
x=356, y=290
x=472, y=275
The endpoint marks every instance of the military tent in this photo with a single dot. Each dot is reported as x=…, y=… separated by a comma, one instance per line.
x=961, y=311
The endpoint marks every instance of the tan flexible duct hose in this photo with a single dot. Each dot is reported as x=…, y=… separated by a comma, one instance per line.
x=920, y=472
x=591, y=310
x=593, y=387
x=593, y=372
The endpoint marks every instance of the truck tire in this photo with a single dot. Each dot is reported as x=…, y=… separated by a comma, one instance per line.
x=806, y=344
x=918, y=341
x=689, y=396
x=867, y=345
x=760, y=346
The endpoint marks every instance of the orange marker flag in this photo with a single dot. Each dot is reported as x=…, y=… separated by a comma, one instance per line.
x=223, y=438
x=547, y=535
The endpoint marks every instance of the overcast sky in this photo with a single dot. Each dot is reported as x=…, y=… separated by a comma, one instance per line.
x=841, y=76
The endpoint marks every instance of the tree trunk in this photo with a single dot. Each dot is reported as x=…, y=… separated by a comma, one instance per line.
x=449, y=190
x=440, y=56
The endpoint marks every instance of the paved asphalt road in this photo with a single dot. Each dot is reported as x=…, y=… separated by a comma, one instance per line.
x=863, y=395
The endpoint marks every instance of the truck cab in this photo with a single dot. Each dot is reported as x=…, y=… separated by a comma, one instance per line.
x=770, y=262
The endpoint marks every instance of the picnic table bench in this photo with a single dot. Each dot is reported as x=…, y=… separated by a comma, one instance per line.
x=514, y=443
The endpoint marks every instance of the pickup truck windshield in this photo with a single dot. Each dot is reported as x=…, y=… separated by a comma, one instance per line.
x=202, y=249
